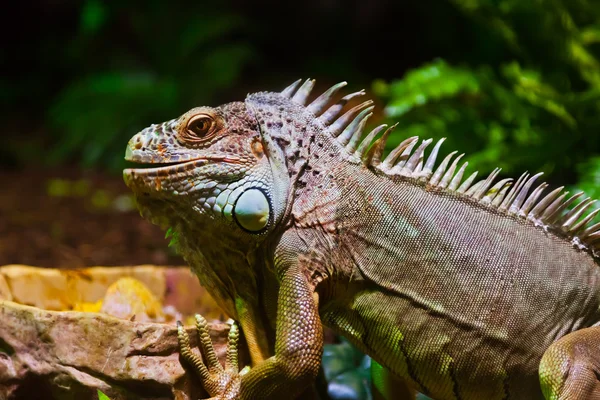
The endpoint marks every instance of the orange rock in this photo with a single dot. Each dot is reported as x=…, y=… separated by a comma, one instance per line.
x=129, y=299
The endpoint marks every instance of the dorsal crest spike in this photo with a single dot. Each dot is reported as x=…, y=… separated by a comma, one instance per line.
x=332, y=112
x=513, y=192
x=376, y=151
x=340, y=124
x=290, y=90
x=553, y=207
x=458, y=177
x=575, y=213
x=590, y=229
x=428, y=168
x=474, y=188
x=364, y=145
x=319, y=104
x=500, y=196
x=441, y=169
x=552, y=218
x=577, y=228
x=411, y=165
x=450, y=173
x=357, y=133
x=467, y=183
x=545, y=202
x=354, y=126
x=302, y=94
x=404, y=156
x=522, y=195
x=405, y=146
x=494, y=192
x=505, y=196
x=482, y=190
x=524, y=211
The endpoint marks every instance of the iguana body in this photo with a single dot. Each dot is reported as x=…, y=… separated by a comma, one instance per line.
x=290, y=218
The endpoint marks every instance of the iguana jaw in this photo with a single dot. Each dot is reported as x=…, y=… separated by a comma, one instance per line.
x=166, y=168
x=159, y=163
x=178, y=177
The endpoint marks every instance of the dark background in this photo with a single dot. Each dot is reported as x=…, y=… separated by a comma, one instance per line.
x=512, y=83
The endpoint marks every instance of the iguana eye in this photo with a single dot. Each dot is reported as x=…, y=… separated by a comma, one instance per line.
x=199, y=126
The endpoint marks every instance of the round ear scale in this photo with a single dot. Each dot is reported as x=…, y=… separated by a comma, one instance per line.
x=252, y=210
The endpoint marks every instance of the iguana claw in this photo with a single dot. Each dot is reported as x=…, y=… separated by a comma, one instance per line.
x=219, y=382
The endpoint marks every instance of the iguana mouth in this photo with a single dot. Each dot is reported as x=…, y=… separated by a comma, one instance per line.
x=150, y=169
x=156, y=168
x=150, y=165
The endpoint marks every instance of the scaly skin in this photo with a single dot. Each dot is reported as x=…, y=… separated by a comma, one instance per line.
x=290, y=224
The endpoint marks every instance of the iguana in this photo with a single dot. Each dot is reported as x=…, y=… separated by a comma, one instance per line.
x=292, y=218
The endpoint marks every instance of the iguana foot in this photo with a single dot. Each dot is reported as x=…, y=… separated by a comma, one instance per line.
x=219, y=382
x=570, y=368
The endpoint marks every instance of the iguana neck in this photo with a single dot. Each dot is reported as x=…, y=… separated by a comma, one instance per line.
x=223, y=265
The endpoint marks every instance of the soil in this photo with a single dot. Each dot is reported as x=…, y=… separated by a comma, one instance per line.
x=66, y=218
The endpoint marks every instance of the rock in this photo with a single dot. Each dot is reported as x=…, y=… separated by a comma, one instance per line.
x=60, y=289
x=5, y=293
x=47, y=354
x=130, y=299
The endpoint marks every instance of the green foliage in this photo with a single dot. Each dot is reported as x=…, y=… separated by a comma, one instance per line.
x=347, y=372
x=65, y=188
x=93, y=16
x=172, y=236
x=102, y=396
x=181, y=60
x=97, y=114
x=516, y=83
x=589, y=177
x=537, y=107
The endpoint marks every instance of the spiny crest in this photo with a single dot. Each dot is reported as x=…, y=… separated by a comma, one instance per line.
x=549, y=212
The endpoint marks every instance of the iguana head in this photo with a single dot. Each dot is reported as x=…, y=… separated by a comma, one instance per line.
x=207, y=165
x=233, y=166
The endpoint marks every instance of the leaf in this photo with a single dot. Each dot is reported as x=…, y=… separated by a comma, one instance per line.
x=102, y=396
x=93, y=16
x=590, y=34
x=430, y=82
x=97, y=115
x=528, y=85
x=589, y=177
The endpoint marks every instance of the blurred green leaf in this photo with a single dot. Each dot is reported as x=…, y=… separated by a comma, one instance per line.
x=347, y=372
x=101, y=199
x=590, y=34
x=527, y=84
x=97, y=115
x=58, y=188
x=428, y=83
x=184, y=57
x=589, y=181
x=93, y=16
x=102, y=396
x=200, y=32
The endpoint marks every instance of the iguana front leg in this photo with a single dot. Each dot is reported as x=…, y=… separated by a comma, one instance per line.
x=298, y=350
x=570, y=368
